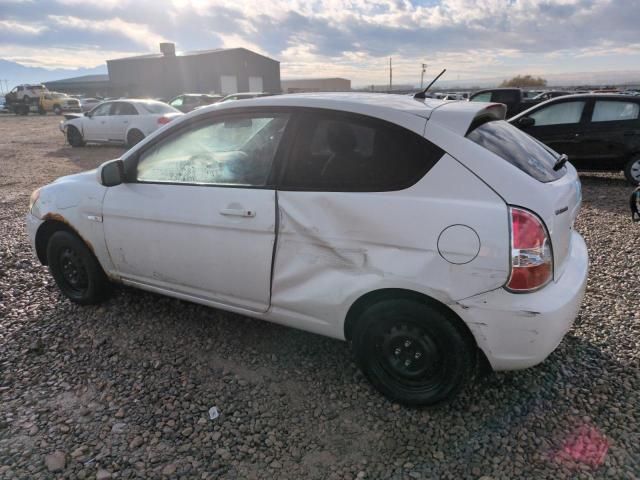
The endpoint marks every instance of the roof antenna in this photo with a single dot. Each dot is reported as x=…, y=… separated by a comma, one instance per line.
x=422, y=94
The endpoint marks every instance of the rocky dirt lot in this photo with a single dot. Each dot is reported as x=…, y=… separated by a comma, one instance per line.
x=123, y=390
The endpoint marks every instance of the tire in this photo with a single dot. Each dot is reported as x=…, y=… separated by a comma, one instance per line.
x=57, y=110
x=632, y=171
x=412, y=352
x=75, y=269
x=134, y=137
x=74, y=137
x=41, y=110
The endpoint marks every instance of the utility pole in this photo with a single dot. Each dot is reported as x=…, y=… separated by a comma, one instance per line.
x=424, y=69
x=390, y=75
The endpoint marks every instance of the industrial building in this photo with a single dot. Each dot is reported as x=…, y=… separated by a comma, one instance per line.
x=167, y=74
x=316, y=85
x=88, y=85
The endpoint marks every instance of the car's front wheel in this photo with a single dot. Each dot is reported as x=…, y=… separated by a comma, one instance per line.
x=75, y=269
x=74, y=137
x=632, y=170
x=413, y=352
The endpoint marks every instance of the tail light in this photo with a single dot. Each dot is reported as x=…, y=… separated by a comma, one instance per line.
x=531, y=256
x=163, y=120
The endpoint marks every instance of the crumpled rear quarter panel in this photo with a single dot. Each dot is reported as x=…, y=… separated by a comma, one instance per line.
x=334, y=247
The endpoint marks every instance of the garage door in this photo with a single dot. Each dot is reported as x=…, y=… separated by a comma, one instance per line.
x=228, y=84
x=255, y=84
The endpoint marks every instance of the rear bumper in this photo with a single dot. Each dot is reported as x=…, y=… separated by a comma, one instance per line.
x=518, y=331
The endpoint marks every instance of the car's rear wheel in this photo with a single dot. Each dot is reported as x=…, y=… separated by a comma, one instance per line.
x=57, y=110
x=74, y=137
x=134, y=137
x=632, y=170
x=75, y=269
x=413, y=352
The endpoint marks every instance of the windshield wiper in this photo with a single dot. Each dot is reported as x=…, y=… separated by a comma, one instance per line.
x=562, y=159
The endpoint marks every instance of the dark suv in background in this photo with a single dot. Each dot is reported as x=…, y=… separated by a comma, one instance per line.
x=596, y=131
x=513, y=98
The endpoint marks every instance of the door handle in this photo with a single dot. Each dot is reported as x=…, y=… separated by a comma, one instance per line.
x=126, y=121
x=237, y=212
x=571, y=136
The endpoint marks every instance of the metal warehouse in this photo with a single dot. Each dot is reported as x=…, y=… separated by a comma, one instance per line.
x=316, y=85
x=166, y=74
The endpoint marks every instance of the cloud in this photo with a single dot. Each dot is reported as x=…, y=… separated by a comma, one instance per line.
x=138, y=33
x=18, y=28
x=348, y=37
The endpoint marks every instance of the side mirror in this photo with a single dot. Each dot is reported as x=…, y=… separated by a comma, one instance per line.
x=87, y=114
x=526, y=122
x=111, y=173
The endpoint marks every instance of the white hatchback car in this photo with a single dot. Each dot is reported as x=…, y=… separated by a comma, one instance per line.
x=118, y=121
x=429, y=234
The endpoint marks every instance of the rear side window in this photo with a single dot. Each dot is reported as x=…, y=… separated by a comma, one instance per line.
x=506, y=96
x=345, y=152
x=122, y=108
x=614, y=111
x=517, y=148
x=158, y=108
x=482, y=97
x=559, y=114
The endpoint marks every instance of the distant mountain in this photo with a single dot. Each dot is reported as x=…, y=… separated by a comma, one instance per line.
x=595, y=79
x=14, y=73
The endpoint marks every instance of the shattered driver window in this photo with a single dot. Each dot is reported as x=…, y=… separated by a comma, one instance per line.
x=238, y=150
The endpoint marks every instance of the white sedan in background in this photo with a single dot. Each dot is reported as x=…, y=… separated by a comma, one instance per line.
x=117, y=121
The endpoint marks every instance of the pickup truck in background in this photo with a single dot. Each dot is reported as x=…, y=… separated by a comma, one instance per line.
x=58, y=103
x=514, y=98
x=25, y=99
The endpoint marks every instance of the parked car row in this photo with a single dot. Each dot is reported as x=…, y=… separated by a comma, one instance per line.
x=128, y=121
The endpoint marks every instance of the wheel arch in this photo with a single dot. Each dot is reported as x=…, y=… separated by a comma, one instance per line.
x=375, y=296
x=50, y=226
x=133, y=128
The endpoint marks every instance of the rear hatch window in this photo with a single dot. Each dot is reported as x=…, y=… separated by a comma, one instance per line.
x=518, y=148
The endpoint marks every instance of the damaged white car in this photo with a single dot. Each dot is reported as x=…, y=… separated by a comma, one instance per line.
x=431, y=235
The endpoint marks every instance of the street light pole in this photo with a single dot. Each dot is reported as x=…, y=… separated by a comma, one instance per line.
x=424, y=69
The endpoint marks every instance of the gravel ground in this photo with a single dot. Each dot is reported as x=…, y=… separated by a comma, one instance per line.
x=123, y=390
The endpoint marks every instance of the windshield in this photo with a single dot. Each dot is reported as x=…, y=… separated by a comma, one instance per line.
x=158, y=108
x=519, y=149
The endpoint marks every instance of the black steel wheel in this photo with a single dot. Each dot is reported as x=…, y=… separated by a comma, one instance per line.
x=413, y=352
x=134, y=137
x=632, y=171
x=75, y=269
x=74, y=137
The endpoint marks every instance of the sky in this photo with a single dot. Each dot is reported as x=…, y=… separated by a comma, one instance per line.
x=354, y=39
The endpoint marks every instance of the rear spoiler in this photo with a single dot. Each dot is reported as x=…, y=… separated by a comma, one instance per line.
x=464, y=117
